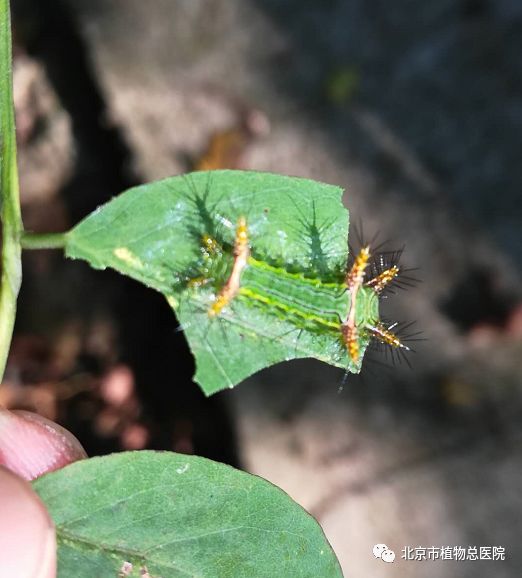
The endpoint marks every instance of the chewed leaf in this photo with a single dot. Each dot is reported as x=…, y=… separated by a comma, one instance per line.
x=159, y=514
x=281, y=297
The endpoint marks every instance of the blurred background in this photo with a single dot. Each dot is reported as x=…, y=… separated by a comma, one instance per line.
x=415, y=108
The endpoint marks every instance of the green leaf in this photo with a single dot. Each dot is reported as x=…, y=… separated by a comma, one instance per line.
x=292, y=290
x=178, y=516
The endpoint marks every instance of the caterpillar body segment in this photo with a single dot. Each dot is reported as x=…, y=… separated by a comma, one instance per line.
x=355, y=276
x=209, y=246
x=383, y=279
x=354, y=280
x=308, y=303
x=350, y=336
x=241, y=254
x=346, y=308
x=386, y=336
x=358, y=324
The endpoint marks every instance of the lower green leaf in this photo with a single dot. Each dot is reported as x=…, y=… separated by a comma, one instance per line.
x=165, y=515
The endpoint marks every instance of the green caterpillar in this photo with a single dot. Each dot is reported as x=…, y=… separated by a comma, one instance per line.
x=343, y=308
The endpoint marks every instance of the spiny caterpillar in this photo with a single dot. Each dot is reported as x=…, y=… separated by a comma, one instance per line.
x=357, y=321
x=348, y=309
x=272, y=279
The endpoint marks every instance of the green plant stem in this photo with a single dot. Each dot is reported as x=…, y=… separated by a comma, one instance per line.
x=43, y=240
x=10, y=214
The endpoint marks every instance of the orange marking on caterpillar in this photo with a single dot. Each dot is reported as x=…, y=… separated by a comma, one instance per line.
x=384, y=335
x=354, y=280
x=241, y=255
x=380, y=281
x=210, y=245
x=355, y=276
x=350, y=334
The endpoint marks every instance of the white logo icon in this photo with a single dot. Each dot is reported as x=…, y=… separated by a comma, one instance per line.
x=384, y=553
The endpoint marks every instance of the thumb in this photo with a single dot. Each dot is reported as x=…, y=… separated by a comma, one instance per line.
x=31, y=445
x=27, y=538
